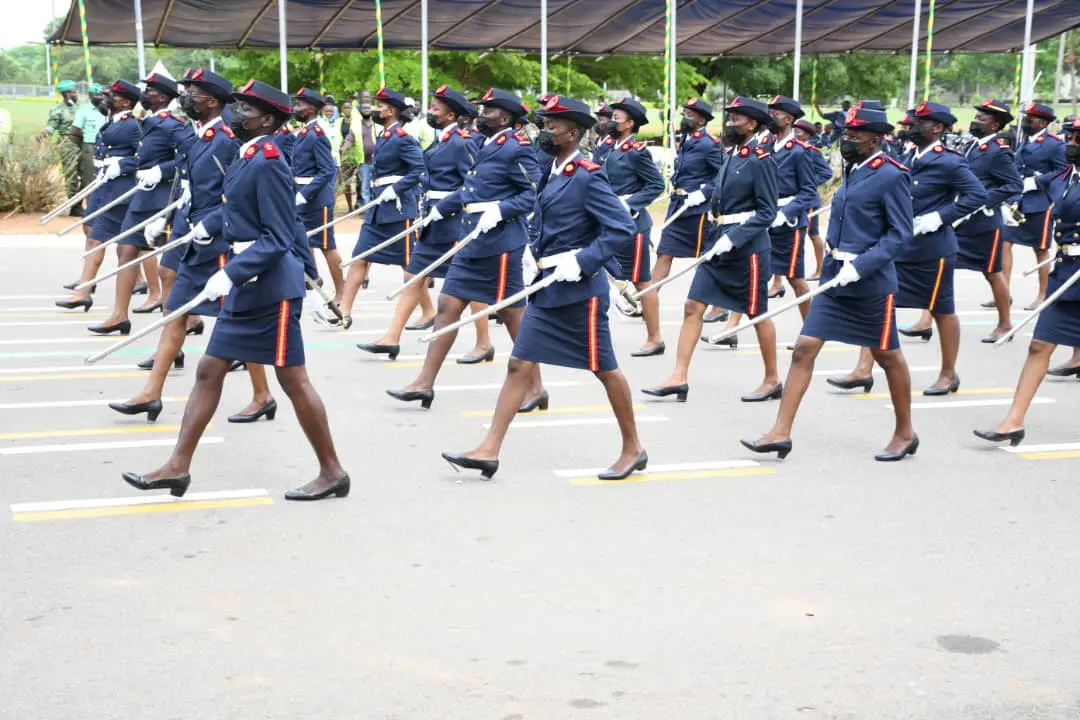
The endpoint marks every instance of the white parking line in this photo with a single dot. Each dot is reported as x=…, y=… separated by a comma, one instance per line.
x=73, y=403
x=677, y=467
x=60, y=312
x=65, y=369
x=958, y=404
x=83, y=447
x=498, y=386
x=136, y=500
x=530, y=424
x=1041, y=448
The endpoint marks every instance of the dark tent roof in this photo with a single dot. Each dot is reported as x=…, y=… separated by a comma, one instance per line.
x=591, y=27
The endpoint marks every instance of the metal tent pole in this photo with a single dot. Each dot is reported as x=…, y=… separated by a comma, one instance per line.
x=543, y=47
x=914, y=53
x=798, y=50
x=139, y=47
x=283, y=46
x=1063, y=39
x=1027, y=72
x=674, y=110
x=424, y=79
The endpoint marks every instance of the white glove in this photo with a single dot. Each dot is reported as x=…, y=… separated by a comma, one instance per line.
x=695, y=198
x=148, y=179
x=155, y=228
x=625, y=204
x=185, y=194
x=567, y=269
x=219, y=285
x=1030, y=185
x=528, y=266
x=847, y=275
x=1007, y=216
x=928, y=223
x=300, y=199
x=112, y=170
x=489, y=219
x=781, y=219
x=720, y=247
x=388, y=195
x=433, y=215
x=199, y=234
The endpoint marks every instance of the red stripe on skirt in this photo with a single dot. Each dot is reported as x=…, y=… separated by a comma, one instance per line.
x=994, y=250
x=795, y=248
x=408, y=247
x=1044, y=241
x=753, y=304
x=937, y=284
x=220, y=266
x=639, y=239
x=282, y=333
x=700, y=229
x=504, y=265
x=886, y=329
x=594, y=351
x=326, y=231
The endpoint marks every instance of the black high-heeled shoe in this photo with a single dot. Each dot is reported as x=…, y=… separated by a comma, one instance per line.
x=85, y=303
x=657, y=349
x=934, y=391
x=782, y=447
x=269, y=411
x=778, y=294
x=426, y=325
x=731, y=342
x=773, y=394
x=722, y=316
x=151, y=408
x=1063, y=371
x=426, y=397
x=540, y=402
x=867, y=383
x=340, y=489
x=236, y=365
x=148, y=363
x=925, y=334
x=147, y=310
x=123, y=327
x=889, y=456
x=487, y=468
x=376, y=349
x=72, y=286
x=679, y=391
x=487, y=356
x=197, y=329
x=176, y=486
x=140, y=289
x=1014, y=437
x=640, y=464
x=364, y=285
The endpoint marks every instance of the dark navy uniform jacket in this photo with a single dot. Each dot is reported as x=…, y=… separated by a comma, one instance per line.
x=795, y=179
x=162, y=135
x=215, y=142
x=697, y=162
x=285, y=141
x=822, y=169
x=747, y=183
x=872, y=218
x=941, y=182
x=1064, y=190
x=117, y=138
x=505, y=172
x=397, y=154
x=1041, y=155
x=578, y=210
x=259, y=208
x=313, y=159
x=447, y=161
x=603, y=148
x=991, y=160
x=633, y=176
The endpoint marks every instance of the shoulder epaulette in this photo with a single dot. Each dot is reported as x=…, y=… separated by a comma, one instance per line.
x=588, y=165
x=639, y=145
x=761, y=152
x=401, y=131
x=698, y=133
x=463, y=132
x=877, y=162
x=789, y=145
x=209, y=134
x=893, y=160
x=939, y=149
x=1056, y=137
x=270, y=150
x=501, y=140
x=302, y=131
x=522, y=139
x=250, y=152
x=318, y=129
x=228, y=131
x=714, y=138
x=1002, y=143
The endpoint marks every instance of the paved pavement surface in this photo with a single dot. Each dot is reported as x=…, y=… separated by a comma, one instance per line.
x=718, y=585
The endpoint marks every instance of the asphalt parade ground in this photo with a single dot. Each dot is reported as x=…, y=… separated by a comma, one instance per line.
x=717, y=584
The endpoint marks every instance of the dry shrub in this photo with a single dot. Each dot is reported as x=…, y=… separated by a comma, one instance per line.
x=31, y=177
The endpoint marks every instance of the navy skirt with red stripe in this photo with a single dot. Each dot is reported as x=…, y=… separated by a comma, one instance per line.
x=574, y=336
x=488, y=280
x=981, y=253
x=687, y=237
x=316, y=215
x=137, y=238
x=267, y=335
x=1059, y=324
x=1035, y=230
x=927, y=285
x=634, y=260
x=738, y=284
x=371, y=234
x=787, y=256
x=189, y=282
x=862, y=321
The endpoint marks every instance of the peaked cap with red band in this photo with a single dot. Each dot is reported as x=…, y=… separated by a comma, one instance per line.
x=934, y=111
x=999, y=108
x=560, y=106
x=265, y=96
x=310, y=96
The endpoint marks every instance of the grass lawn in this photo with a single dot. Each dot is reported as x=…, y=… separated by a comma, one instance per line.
x=28, y=116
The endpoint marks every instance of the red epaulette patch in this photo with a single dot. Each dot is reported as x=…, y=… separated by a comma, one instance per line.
x=401, y=132
x=209, y=134
x=984, y=147
x=1002, y=143
x=250, y=152
x=789, y=144
x=270, y=150
x=877, y=162
x=744, y=152
x=639, y=145
x=761, y=152
x=626, y=146
x=164, y=114
x=714, y=138
x=609, y=140
x=939, y=149
x=463, y=132
x=805, y=145
x=284, y=130
x=501, y=140
x=228, y=131
x=318, y=129
x=386, y=133
x=1041, y=138
x=897, y=164
x=1056, y=137
x=569, y=169
x=302, y=131
x=698, y=133
x=522, y=139
x=588, y=165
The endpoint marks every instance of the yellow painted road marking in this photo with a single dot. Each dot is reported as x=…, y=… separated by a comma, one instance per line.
x=1052, y=455
x=76, y=376
x=140, y=509
x=961, y=391
x=83, y=432
x=420, y=363
x=554, y=411
x=684, y=475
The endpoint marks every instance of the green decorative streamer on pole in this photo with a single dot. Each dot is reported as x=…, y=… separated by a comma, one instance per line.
x=813, y=85
x=85, y=42
x=929, y=48
x=378, y=33
x=1016, y=79
x=55, y=66
x=321, y=60
x=568, y=63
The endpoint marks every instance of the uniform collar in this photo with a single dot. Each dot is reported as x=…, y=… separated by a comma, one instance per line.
x=781, y=142
x=447, y=131
x=1035, y=135
x=856, y=166
x=201, y=129
x=249, y=143
x=928, y=148
x=501, y=132
x=309, y=123
x=556, y=169
x=124, y=115
x=988, y=139
x=761, y=136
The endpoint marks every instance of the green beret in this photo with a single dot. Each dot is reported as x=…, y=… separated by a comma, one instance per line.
x=94, y=89
x=65, y=86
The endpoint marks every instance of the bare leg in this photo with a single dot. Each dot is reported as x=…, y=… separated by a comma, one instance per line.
x=864, y=368
x=798, y=380
x=511, y=317
x=169, y=344
x=450, y=309
x=483, y=337
x=899, y=378
x=1035, y=366
x=427, y=310
x=949, y=329
x=511, y=396
x=776, y=284
x=333, y=262
x=661, y=269
x=618, y=393
x=311, y=412
x=1000, y=288
x=693, y=320
x=402, y=312
x=1007, y=264
x=925, y=320
x=91, y=265
x=125, y=284
x=153, y=282
x=819, y=255
x=650, y=311
x=358, y=272
x=801, y=287
x=766, y=335
x=1044, y=274
x=260, y=389
x=1073, y=361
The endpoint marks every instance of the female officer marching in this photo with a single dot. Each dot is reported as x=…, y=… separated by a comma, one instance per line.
x=871, y=220
x=583, y=226
x=1059, y=323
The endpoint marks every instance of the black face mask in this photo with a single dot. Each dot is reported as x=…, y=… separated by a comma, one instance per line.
x=849, y=150
x=187, y=104
x=109, y=104
x=1072, y=154
x=144, y=100
x=1027, y=128
x=921, y=136
x=732, y=134
x=686, y=126
x=976, y=128
x=613, y=130
x=238, y=127
x=546, y=141
x=483, y=125
x=380, y=120
x=432, y=122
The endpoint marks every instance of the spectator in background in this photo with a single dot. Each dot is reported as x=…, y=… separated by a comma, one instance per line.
x=415, y=125
x=58, y=126
x=362, y=138
x=836, y=117
x=349, y=157
x=89, y=119
x=332, y=129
